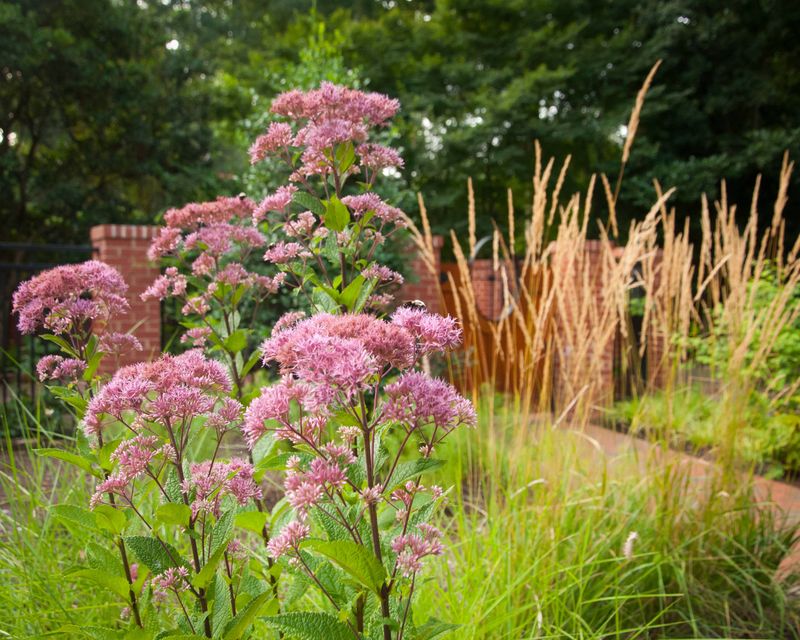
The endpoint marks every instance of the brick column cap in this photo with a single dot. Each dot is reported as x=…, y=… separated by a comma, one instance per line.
x=102, y=232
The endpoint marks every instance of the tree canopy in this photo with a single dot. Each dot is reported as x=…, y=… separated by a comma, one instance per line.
x=112, y=111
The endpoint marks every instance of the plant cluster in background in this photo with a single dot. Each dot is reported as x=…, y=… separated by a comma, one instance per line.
x=351, y=421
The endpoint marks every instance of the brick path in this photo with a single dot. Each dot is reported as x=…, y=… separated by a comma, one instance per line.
x=784, y=497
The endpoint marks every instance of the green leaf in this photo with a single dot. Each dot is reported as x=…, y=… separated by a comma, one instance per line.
x=345, y=156
x=251, y=520
x=337, y=216
x=309, y=202
x=174, y=513
x=65, y=347
x=406, y=471
x=91, y=366
x=355, y=559
x=237, y=627
x=223, y=531
x=363, y=295
x=72, y=458
x=308, y=625
x=155, y=555
x=433, y=628
x=352, y=292
x=237, y=341
x=251, y=362
x=110, y=518
x=117, y=584
x=205, y=574
x=221, y=613
x=324, y=301
x=78, y=515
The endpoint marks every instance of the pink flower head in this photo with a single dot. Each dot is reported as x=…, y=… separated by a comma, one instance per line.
x=303, y=225
x=278, y=201
x=171, y=388
x=222, y=210
x=167, y=241
x=288, y=540
x=218, y=239
x=277, y=138
x=330, y=101
x=210, y=481
x=119, y=344
x=59, y=368
x=412, y=548
x=288, y=320
x=196, y=336
x=377, y=157
x=282, y=252
x=171, y=283
x=227, y=416
x=382, y=274
x=69, y=297
x=175, y=579
x=416, y=400
x=432, y=331
x=134, y=455
x=389, y=344
x=371, y=202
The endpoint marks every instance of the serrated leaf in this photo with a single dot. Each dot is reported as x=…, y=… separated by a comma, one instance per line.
x=237, y=627
x=155, y=555
x=406, y=471
x=223, y=531
x=221, y=612
x=309, y=202
x=307, y=625
x=78, y=515
x=356, y=560
x=174, y=513
x=72, y=458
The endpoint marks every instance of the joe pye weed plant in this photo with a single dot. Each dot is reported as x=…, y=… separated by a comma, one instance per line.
x=352, y=421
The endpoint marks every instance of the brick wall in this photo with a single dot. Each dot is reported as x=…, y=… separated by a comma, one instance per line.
x=125, y=247
x=425, y=285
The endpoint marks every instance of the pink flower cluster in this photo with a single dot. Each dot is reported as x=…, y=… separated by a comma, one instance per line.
x=133, y=457
x=304, y=489
x=174, y=579
x=371, y=202
x=119, y=344
x=70, y=297
x=411, y=548
x=416, y=400
x=171, y=390
x=210, y=482
x=288, y=540
x=59, y=368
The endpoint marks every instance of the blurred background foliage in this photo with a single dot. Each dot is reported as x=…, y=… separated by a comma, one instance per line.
x=114, y=110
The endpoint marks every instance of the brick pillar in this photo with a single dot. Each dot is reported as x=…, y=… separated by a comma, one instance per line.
x=124, y=247
x=658, y=356
x=426, y=285
x=488, y=286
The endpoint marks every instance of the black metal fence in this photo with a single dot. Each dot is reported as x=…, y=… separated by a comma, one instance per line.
x=19, y=354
